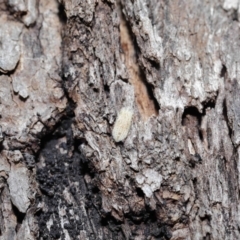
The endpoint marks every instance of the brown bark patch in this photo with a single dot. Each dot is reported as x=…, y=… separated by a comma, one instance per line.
x=143, y=99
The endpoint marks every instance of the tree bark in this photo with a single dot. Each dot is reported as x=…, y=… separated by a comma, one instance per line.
x=119, y=119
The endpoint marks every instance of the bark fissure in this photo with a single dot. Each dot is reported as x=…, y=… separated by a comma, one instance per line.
x=145, y=100
x=225, y=115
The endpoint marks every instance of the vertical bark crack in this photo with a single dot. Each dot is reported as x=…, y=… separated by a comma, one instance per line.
x=226, y=119
x=144, y=96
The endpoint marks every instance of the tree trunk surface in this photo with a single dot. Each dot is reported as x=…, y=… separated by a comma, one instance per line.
x=119, y=119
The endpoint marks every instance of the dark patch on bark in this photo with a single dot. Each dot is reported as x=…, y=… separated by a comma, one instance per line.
x=223, y=71
x=209, y=104
x=65, y=171
x=150, y=89
x=19, y=215
x=209, y=137
x=235, y=15
x=64, y=167
x=225, y=115
x=192, y=118
x=61, y=13
x=207, y=237
x=195, y=159
x=195, y=187
x=140, y=192
x=192, y=111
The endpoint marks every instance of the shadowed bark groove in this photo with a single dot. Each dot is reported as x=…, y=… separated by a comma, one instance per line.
x=144, y=97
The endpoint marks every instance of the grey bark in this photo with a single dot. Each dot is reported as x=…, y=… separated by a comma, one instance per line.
x=119, y=119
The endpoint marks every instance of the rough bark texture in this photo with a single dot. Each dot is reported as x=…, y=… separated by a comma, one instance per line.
x=119, y=119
